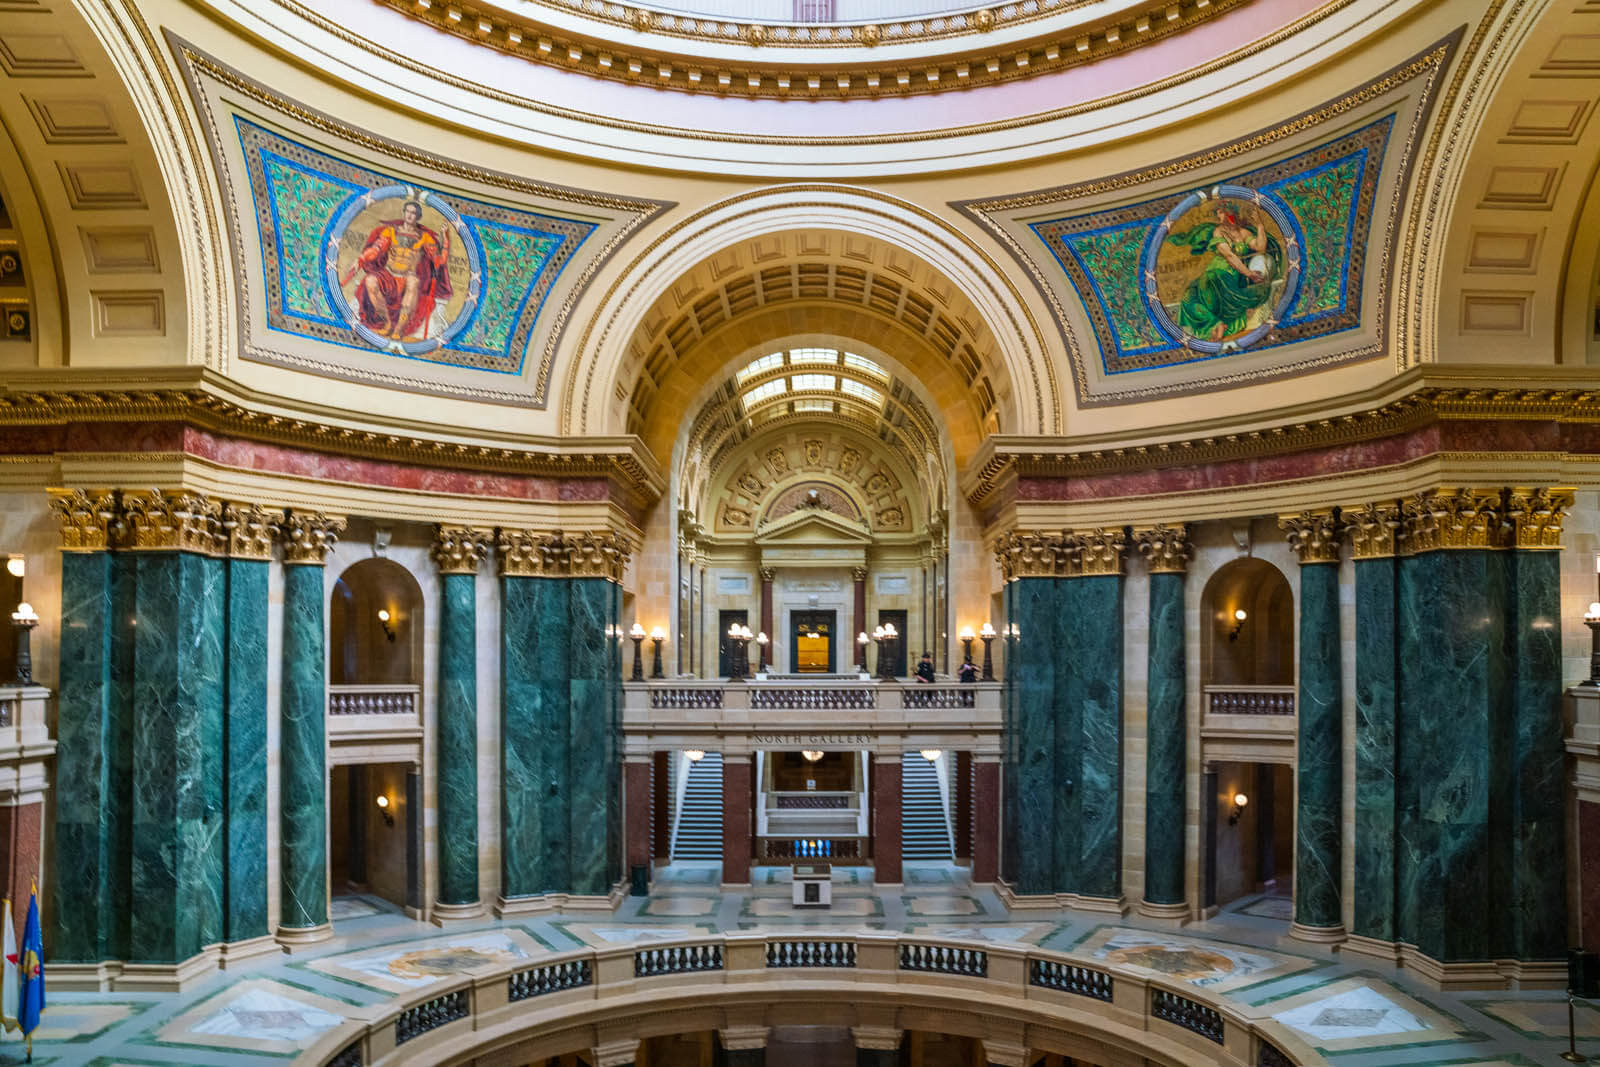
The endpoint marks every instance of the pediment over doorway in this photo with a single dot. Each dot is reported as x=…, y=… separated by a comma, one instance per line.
x=813, y=537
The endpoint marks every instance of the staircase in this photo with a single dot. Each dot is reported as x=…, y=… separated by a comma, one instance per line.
x=924, y=829
x=697, y=830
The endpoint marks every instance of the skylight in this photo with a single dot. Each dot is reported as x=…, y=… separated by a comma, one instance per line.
x=813, y=405
x=765, y=391
x=857, y=389
x=862, y=363
x=813, y=382
x=765, y=363
x=814, y=355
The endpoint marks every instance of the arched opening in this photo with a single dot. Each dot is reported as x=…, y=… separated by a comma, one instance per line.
x=375, y=666
x=1247, y=641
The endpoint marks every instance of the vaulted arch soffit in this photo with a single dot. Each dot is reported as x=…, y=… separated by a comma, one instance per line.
x=814, y=260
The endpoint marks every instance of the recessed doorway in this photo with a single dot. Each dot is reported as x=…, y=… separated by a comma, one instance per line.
x=811, y=642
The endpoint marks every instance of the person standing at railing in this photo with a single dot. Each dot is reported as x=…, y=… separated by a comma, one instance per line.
x=925, y=667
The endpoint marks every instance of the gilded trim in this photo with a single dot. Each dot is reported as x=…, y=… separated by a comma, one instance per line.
x=308, y=536
x=86, y=517
x=167, y=520
x=1101, y=551
x=1372, y=529
x=1453, y=519
x=460, y=549
x=249, y=529
x=1313, y=535
x=1166, y=549
x=1536, y=516
x=563, y=554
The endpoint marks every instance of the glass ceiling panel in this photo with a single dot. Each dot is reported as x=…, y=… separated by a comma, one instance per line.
x=765, y=363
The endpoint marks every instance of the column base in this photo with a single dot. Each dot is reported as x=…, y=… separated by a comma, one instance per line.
x=1484, y=974
x=1178, y=913
x=293, y=938
x=1317, y=935
x=84, y=977
x=1039, y=901
x=167, y=977
x=444, y=914
x=543, y=902
x=1373, y=948
x=235, y=953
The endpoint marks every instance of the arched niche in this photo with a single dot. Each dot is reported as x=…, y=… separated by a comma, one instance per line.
x=1255, y=650
x=363, y=647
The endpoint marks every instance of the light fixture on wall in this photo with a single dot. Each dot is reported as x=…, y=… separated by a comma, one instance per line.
x=694, y=755
x=1591, y=619
x=1240, y=802
x=812, y=755
x=967, y=637
x=932, y=754
x=16, y=566
x=986, y=631
x=637, y=636
x=762, y=641
x=24, y=619
x=383, y=620
x=1239, y=615
x=383, y=807
x=862, y=640
x=885, y=636
x=657, y=635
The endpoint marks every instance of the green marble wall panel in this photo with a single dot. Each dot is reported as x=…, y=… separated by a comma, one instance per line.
x=1538, y=905
x=535, y=692
x=1009, y=747
x=1091, y=651
x=1166, y=770
x=176, y=812
x=458, y=740
x=303, y=800
x=1452, y=857
x=1035, y=696
x=1377, y=692
x=589, y=728
x=1317, y=825
x=244, y=731
x=90, y=712
x=615, y=868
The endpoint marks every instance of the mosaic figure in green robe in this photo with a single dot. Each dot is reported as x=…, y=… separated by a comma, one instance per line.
x=1237, y=279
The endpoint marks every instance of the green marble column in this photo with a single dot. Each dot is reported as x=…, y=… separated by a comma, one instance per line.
x=1036, y=697
x=302, y=761
x=244, y=726
x=1091, y=720
x=1318, y=910
x=1009, y=746
x=458, y=553
x=91, y=829
x=176, y=813
x=1166, y=756
x=1376, y=698
x=591, y=755
x=1538, y=901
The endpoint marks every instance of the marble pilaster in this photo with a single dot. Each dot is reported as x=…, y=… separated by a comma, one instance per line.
x=591, y=731
x=1371, y=531
x=1166, y=758
x=533, y=701
x=244, y=724
x=1033, y=693
x=1091, y=615
x=458, y=552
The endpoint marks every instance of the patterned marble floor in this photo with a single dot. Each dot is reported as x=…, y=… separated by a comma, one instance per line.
x=1349, y=1012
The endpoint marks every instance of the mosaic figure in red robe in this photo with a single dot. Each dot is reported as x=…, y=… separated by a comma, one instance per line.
x=405, y=268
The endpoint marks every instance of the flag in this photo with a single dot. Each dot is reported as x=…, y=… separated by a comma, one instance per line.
x=9, y=986
x=31, y=971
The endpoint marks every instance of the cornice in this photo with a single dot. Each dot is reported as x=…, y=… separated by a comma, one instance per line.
x=692, y=53
x=1418, y=398
x=206, y=400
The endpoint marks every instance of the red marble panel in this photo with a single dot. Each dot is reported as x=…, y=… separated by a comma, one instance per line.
x=962, y=787
x=19, y=856
x=660, y=806
x=636, y=797
x=886, y=822
x=1589, y=875
x=736, y=843
x=986, y=822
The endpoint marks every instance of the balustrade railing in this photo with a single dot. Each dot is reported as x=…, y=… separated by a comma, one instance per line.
x=551, y=978
x=373, y=699
x=685, y=697
x=945, y=959
x=808, y=802
x=811, y=954
x=429, y=1015
x=1249, y=700
x=938, y=696
x=678, y=959
x=1071, y=978
x=845, y=851
x=829, y=699
x=1191, y=1015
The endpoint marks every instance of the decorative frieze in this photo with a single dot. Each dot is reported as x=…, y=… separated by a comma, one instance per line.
x=86, y=516
x=308, y=536
x=1536, y=515
x=1453, y=519
x=1166, y=549
x=563, y=554
x=1313, y=535
x=1372, y=529
x=459, y=549
x=164, y=520
x=249, y=530
x=1100, y=551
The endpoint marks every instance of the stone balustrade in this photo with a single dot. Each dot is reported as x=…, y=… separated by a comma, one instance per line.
x=373, y=715
x=844, y=978
x=373, y=699
x=1249, y=699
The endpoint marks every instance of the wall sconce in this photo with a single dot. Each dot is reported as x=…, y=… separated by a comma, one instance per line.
x=932, y=754
x=383, y=806
x=24, y=619
x=885, y=636
x=16, y=566
x=637, y=635
x=762, y=641
x=1239, y=615
x=986, y=631
x=967, y=637
x=811, y=755
x=658, y=635
x=1591, y=619
x=694, y=755
x=862, y=640
x=383, y=620
x=1240, y=802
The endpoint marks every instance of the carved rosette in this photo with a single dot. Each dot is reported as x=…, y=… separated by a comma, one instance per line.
x=249, y=530
x=1536, y=516
x=1313, y=535
x=1099, y=551
x=563, y=554
x=308, y=536
x=1453, y=519
x=1034, y=554
x=87, y=518
x=163, y=520
x=459, y=549
x=1166, y=549
x=1372, y=529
